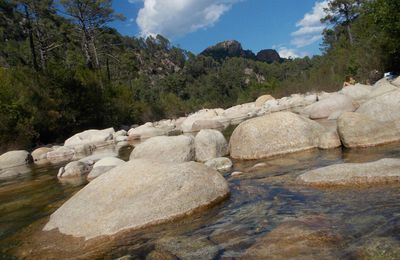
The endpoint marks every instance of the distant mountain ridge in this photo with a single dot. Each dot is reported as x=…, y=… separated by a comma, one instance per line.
x=233, y=48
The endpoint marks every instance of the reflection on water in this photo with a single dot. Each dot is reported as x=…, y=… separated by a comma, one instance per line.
x=263, y=199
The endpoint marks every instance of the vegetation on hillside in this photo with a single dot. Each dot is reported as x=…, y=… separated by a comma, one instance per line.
x=63, y=70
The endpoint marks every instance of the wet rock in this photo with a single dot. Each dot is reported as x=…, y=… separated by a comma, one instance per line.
x=282, y=162
x=324, y=108
x=262, y=99
x=274, y=134
x=188, y=247
x=14, y=158
x=379, y=248
x=39, y=155
x=382, y=108
x=383, y=171
x=166, y=149
x=103, y=166
x=210, y=144
x=220, y=164
x=74, y=170
x=144, y=193
x=90, y=137
x=160, y=255
x=359, y=130
x=306, y=238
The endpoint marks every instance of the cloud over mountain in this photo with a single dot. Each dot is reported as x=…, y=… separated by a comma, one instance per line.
x=173, y=18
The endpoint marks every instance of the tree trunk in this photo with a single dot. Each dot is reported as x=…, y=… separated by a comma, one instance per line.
x=31, y=41
x=348, y=27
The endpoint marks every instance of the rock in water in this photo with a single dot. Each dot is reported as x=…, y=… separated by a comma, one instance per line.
x=74, y=170
x=103, y=166
x=166, y=149
x=222, y=164
x=90, y=136
x=14, y=158
x=274, y=134
x=359, y=130
x=210, y=144
x=144, y=193
x=382, y=171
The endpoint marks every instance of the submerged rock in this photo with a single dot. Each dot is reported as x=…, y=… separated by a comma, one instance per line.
x=166, y=149
x=210, y=144
x=359, y=130
x=143, y=193
x=274, y=134
x=14, y=158
x=382, y=171
x=310, y=237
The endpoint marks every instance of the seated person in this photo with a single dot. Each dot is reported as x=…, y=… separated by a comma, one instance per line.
x=349, y=81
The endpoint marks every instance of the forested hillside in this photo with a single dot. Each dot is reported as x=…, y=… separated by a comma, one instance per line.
x=63, y=69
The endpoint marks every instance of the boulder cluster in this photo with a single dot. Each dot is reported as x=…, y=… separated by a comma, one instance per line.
x=177, y=166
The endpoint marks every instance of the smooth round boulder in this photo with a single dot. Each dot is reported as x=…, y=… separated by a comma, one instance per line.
x=90, y=137
x=14, y=158
x=329, y=140
x=39, y=155
x=207, y=124
x=385, y=107
x=384, y=171
x=359, y=130
x=145, y=132
x=325, y=107
x=210, y=144
x=103, y=166
x=357, y=91
x=262, y=99
x=60, y=154
x=166, y=149
x=75, y=169
x=144, y=193
x=274, y=134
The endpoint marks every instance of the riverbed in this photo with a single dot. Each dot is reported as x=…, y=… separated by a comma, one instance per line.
x=365, y=220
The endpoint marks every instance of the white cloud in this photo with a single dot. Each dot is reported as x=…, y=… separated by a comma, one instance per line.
x=287, y=53
x=173, y=18
x=310, y=27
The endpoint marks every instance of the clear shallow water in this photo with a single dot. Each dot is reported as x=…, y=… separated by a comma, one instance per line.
x=366, y=220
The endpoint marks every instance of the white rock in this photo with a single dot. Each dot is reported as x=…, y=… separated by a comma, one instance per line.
x=90, y=137
x=325, y=107
x=14, y=158
x=221, y=164
x=385, y=107
x=166, y=149
x=210, y=144
x=103, y=166
x=144, y=193
x=74, y=170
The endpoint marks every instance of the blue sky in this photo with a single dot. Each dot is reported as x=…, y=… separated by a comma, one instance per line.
x=290, y=26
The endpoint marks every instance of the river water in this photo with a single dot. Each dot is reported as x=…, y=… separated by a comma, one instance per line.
x=366, y=220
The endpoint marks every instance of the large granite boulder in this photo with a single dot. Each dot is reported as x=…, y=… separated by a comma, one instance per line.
x=210, y=144
x=274, y=134
x=357, y=92
x=39, y=155
x=90, y=137
x=359, y=130
x=144, y=193
x=396, y=82
x=60, y=154
x=325, y=107
x=166, y=149
x=385, y=107
x=14, y=158
x=205, y=116
x=221, y=164
x=383, y=171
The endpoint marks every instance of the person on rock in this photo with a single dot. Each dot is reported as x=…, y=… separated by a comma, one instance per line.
x=349, y=81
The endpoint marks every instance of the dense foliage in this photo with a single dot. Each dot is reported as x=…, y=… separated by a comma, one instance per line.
x=62, y=69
